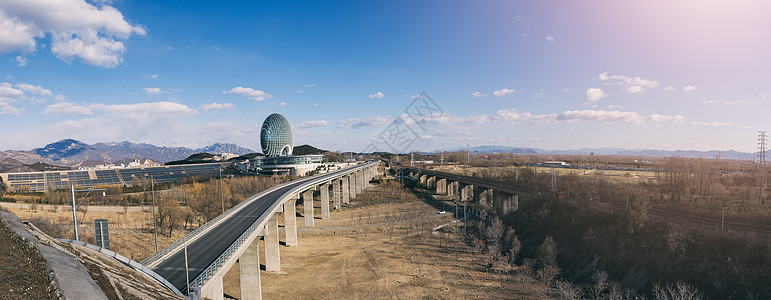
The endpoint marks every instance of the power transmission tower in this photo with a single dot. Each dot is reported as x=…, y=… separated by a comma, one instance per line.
x=762, y=147
x=553, y=185
x=762, y=173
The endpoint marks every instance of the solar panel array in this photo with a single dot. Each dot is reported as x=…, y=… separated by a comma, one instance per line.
x=42, y=181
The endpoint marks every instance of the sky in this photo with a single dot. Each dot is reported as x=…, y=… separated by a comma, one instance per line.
x=388, y=75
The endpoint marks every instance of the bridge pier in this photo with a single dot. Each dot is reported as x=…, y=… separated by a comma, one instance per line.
x=352, y=184
x=336, y=193
x=290, y=222
x=452, y=188
x=346, y=192
x=325, y=201
x=467, y=192
x=213, y=289
x=363, y=183
x=308, y=208
x=249, y=272
x=507, y=203
x=272, y=256
x=441, y=186
x=431, y=183
x=424, y=180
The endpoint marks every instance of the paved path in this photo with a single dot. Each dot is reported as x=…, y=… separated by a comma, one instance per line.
x=73, y=279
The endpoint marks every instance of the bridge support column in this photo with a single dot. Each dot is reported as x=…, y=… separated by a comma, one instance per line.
x=308, y=208
x=272, y=256
x=213, y=289
x=290, y=222
x=346, y=193
x=325, y=201
x=424, y=180
x=363, y=181
x=452, y=187
x=507, y=203
x=441, y=186
x=249, y=268
x=431, y=182
x=352, y=184
x=336, y=193
x=467, y=193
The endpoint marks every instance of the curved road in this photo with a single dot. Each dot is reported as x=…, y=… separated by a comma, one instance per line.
x=203, y=251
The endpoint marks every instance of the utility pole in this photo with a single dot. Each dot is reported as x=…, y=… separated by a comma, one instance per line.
x=75, y=207
x=155, y=227
x=441, y=164
x=468, y=155
x=553, y=181
x=222, y=199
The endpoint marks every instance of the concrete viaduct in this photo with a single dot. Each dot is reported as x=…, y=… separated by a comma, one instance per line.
x=204, y=256
x=499, y=196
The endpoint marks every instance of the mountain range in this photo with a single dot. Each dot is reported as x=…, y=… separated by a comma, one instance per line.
x=725, y=154
x=69, y=152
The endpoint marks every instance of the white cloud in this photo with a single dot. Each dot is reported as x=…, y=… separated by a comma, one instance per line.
x=477, y=94
x=514, y=116
x=256, y=95
x=22, y=61
x=713, y=124
x=282, y=104
x=369, y=121
x=67, y=108
x=12, y=94
x=709, y=102
x=77, y=29
x=215, y=105
x=299, y=91
x=735, y=102
x=633, y=84
x=309, y=85
x=150, y=76
x=669, y=88
x=146, y=110
x=312, y=124
x=153, y=91
x=594, y=94
x=550, y=38
x=503, y=92
x=378, y=95
x=538, y=95
x=34, y=89
x=690, y=88
x=615, y=117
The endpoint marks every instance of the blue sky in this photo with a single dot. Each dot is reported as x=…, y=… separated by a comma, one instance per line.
x=546, y=74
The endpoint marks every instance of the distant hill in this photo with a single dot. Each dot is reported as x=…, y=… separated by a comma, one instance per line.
x=726, y=154
x=69, y=152
x=307, y=150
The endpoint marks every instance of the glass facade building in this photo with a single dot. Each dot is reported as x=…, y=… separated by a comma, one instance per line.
x=276, y=136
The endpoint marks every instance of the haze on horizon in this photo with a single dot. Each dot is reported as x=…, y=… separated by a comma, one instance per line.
x=543, y=74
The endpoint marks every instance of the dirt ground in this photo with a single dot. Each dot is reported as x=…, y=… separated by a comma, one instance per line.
x=383, y=252
x=23, y=272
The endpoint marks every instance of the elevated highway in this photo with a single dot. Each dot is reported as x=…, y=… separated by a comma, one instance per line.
x=213, y=249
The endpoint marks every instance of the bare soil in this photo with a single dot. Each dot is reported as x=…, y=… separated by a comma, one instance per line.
x=384, y=252
x=23, y=272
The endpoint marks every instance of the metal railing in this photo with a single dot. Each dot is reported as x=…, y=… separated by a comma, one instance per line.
x=214, y=267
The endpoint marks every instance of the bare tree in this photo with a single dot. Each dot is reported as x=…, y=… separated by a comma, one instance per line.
x=678, y=291
x=547, y=252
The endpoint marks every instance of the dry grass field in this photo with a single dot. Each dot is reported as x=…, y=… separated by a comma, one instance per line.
x=371, y=252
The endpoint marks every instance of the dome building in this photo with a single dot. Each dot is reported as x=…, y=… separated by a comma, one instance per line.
x=277, y=145
x=276, y=136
